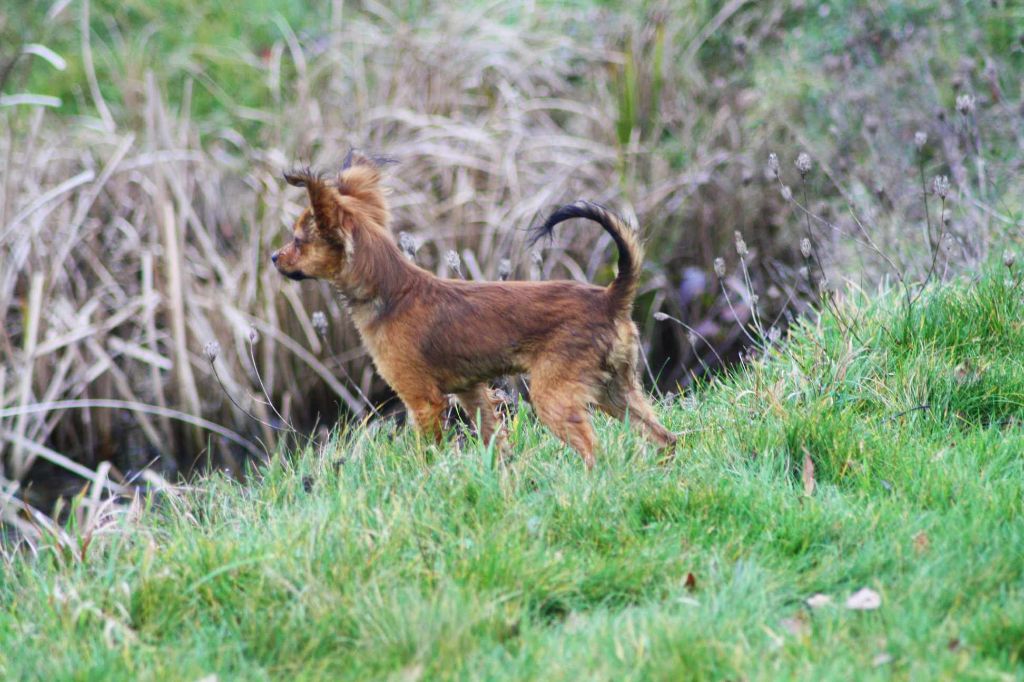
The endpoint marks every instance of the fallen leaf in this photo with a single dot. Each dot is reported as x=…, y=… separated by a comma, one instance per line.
x=808, y=474
x=796, y=626
x=864, y=599
x=921, y=542
x=883, y=658
x=816, y=601
x=691, y=582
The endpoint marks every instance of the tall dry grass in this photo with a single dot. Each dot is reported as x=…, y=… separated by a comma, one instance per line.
x=132, y=239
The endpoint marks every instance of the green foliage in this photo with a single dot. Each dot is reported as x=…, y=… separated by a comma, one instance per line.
x=640, y=80
x=381, y=558
x=212, y=44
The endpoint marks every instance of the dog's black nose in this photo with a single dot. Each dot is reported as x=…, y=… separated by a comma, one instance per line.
x=273, y=257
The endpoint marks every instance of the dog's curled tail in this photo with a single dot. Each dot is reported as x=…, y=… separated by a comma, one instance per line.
x=622, y=290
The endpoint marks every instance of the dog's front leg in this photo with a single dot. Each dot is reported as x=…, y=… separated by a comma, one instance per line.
x=426, y=411
x=481, y=407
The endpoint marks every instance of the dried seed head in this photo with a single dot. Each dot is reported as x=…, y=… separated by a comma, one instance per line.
x=965, y=104
x=920, y=139
x=1009, y=258
x=453, y=261
x=741, y=246
x=320, y=322
x=254, y=335
x=660, y=316
x=407, y=243
x=720, y=267
x=787, y=193
x=803, y=163
x=805, y=247
x=948, y=243
x=773, y=164
x=504, y=269
x=774, y=335
x=211, y=350
x=940, y=185
x=754, y=299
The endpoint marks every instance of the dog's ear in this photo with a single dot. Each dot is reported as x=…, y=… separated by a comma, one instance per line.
x=361, y=173
x=324, y=199
x=301, y=177
x=360, y=176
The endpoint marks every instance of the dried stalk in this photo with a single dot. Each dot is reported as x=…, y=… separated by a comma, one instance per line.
x=20, y=466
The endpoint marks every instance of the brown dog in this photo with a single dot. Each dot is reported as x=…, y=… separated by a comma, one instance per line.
x=430, y=337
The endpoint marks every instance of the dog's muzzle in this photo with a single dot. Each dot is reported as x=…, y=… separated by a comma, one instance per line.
x=297, y=275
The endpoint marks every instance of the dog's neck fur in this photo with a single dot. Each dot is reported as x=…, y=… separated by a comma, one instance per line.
x=376, y=278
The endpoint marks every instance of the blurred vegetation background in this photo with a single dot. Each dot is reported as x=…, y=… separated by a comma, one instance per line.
x=143, y=145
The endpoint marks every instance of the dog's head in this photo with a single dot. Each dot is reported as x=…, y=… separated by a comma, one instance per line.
x=324, y=235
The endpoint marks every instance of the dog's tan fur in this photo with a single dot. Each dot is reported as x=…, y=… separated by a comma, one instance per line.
x=431, y=337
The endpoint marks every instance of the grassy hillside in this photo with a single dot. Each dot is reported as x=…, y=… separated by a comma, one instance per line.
x=373, y=559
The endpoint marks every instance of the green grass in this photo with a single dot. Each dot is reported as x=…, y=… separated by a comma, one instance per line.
x=213, y=44
x=380, y=559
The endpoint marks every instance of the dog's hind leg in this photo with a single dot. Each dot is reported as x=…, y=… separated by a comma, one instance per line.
x=622, y=400
x=562, y=407
x=482, y=409
x=622, y=396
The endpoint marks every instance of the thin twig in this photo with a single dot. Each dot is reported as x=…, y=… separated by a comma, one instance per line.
x=250, y=415
x=700, y=336
x=906, y=412
x=270, y=403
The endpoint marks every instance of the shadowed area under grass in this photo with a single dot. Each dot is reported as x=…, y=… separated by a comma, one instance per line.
x=378, y=559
